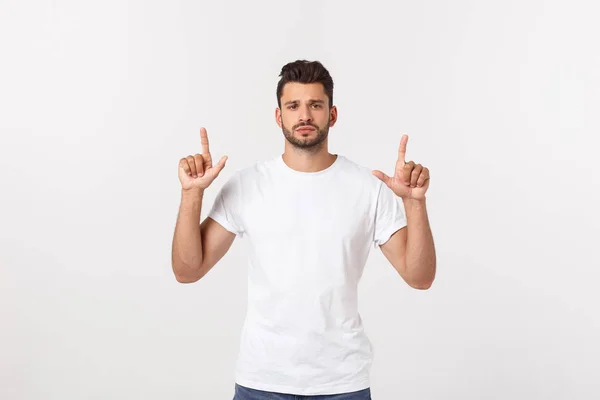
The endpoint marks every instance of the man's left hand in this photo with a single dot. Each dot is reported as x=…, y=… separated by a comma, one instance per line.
x=410, y=180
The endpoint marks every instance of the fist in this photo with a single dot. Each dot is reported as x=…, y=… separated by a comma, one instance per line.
x=197, y=171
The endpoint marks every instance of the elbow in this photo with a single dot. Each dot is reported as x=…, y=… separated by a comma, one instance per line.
x=186, y=279
x=424, y=281
x=186, y=274
x=422, y=286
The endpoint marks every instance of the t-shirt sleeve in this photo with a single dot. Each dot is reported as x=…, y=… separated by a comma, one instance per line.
x=226, y=209
x=390, y=215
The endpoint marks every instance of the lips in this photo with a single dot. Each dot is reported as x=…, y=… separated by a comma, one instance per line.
x=305, y=129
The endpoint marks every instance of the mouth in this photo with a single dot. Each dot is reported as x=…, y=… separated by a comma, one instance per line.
x=305, y=129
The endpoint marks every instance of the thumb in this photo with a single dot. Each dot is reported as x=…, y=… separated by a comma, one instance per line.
x=382, y=177
x=220, y=165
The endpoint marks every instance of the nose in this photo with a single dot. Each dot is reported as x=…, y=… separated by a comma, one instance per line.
x=305, y=115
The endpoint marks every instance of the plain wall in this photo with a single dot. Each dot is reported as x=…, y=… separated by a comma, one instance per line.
x=100, y=100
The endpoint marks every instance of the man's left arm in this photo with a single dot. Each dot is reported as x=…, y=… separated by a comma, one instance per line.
x=411, y=250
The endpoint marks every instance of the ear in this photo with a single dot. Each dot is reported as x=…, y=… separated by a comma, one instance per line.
x=278, y=116
x=333, y=115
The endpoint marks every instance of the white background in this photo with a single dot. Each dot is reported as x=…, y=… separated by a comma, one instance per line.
x=99, y=101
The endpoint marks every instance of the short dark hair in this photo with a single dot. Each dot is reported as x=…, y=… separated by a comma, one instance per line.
x=303, y=71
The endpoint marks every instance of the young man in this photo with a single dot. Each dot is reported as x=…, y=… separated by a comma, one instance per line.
x=311, y=218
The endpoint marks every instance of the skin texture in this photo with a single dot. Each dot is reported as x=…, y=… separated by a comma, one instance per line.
x=197, y=248
x=411, y=251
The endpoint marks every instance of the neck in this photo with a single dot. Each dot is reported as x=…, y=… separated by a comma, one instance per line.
x=308, y=160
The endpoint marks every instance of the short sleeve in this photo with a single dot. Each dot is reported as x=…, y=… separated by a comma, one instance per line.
x=390, y=215
x=226, y=209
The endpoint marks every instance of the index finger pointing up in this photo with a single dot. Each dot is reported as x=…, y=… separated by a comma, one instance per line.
x=204, y=141
x=402, y=148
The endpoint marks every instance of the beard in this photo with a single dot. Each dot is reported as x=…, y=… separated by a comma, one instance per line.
x=308, y=144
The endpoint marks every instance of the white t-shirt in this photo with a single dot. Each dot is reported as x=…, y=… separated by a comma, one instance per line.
x=309, y=237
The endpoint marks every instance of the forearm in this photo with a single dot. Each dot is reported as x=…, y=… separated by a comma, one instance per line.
x=420, y=249
x=187, y=239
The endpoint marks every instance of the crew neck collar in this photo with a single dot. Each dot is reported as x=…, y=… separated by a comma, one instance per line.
x=290, y=170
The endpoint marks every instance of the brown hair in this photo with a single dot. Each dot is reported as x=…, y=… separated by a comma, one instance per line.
x=303, y=71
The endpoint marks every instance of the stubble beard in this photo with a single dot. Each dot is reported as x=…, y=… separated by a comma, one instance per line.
x=306, y=144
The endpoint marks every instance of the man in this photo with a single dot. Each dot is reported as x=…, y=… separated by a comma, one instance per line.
x=311, y=218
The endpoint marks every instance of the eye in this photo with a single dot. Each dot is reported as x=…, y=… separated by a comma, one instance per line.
x=317, y=105
x=292, y=107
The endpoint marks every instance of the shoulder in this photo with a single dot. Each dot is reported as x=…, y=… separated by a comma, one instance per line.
x=247, y=177
x=360, y=174
x=255, y=170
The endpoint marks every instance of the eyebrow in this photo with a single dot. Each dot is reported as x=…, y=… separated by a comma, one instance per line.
x=312, y=101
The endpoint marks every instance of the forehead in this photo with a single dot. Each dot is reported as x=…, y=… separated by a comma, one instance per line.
x=302, y=91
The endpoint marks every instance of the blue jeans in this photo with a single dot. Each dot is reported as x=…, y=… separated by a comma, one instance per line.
x=244, y=393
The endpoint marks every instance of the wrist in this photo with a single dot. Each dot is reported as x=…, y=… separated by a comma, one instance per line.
x=415, y=203
x=192, y=193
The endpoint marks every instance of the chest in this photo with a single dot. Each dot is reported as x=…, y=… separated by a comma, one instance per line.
x=305, y=213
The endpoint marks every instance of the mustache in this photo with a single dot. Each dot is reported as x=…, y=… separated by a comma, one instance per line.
x=304, y=124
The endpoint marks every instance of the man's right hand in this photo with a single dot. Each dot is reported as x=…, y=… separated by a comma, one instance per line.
x=197, y=172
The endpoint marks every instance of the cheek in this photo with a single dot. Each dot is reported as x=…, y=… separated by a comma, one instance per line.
x=288, y=121
x=320, y=117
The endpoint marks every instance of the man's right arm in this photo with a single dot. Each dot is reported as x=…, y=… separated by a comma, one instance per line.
x=197, y=247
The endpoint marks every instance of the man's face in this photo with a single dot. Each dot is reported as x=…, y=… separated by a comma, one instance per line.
x=305, y=116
